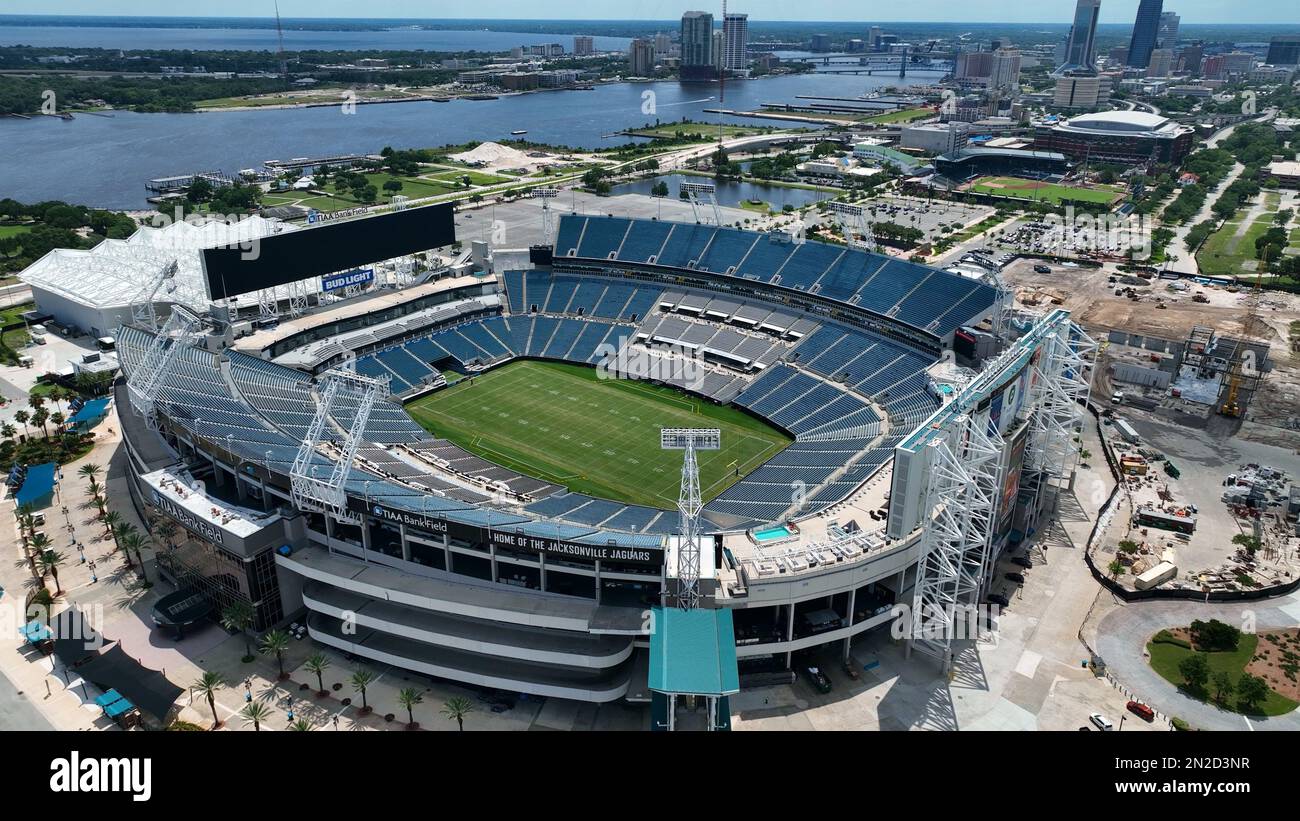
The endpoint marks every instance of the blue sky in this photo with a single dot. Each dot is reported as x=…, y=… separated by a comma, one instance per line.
x=1000, y=11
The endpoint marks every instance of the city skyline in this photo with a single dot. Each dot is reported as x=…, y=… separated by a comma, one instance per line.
x=1193, y=12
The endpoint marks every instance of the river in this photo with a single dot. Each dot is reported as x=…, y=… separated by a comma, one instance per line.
x=105, y=161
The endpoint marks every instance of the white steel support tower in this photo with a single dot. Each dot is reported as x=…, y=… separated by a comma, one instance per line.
x=146, y=380
x=689, y=440
x=965, y=467
x=548, y=219
x=143, y=309
x=702, y=194
x=319, y=487
x=1062, y=376
x=852, y=220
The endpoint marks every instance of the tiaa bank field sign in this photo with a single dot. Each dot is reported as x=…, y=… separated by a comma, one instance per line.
x=361, y=276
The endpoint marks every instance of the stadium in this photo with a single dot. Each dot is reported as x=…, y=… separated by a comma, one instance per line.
x=490, y=469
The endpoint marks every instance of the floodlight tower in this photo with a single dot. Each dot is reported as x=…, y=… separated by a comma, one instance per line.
x=706, y=191
x=689, y=440
x=548, y=220
x=852, y=220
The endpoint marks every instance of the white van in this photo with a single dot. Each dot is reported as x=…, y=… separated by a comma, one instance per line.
x=1101, y=721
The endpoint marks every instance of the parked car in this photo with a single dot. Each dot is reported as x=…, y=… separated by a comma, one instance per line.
x=1015, y=577
x=1022, y=561
x=1103, y=723
x=1042, y=269
x=818, y=679
x=1141, y=710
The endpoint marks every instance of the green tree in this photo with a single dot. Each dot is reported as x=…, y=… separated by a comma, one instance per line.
x=456, y=708
x=1116, y=569
x=318, y=663
x=275, y=642
x=302, y=725
x=238, y=617
x=1223, y=685
x=1195, y=670
x=362, y=679
x=207, y=686
x=51, y=560
x=255, y=712
x=1252, y=690
x=408, y=698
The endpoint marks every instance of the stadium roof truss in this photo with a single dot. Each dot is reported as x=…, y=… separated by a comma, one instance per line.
x=146, y=380
x=317, y=487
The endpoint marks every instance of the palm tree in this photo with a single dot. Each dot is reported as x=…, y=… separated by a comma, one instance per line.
x=238, y=617
x=8, y=431
x=408, y=698
x=276, y=641
x=1116, y=568
x=134, y=543
x=208, y=687
x=39, y=544
x=111, y=520
x=255, y=712
x=45, y=601
x=362, y=679
x=40, y=417
x=456, y=708
x=302, y=725
x=90, y=470
x=21, y=418
x=50, y=561
x=318, y=664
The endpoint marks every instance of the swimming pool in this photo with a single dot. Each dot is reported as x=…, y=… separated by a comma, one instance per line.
x=771, y=533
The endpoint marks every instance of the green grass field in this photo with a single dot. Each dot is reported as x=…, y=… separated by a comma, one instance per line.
x=1166, y=657
x=562, y=424
x=1022, y=189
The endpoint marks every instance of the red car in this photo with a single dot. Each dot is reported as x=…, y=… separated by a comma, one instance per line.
x=1142, y=711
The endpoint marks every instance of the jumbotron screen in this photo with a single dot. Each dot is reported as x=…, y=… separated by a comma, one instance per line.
x=279, y=259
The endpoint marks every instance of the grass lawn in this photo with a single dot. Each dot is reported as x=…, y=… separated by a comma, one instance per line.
x=475, y=178
x=560, y=423
x=1227, y=254
x=906, y=115
x=13, y=230
x=1022, y=189
x=1166, y=657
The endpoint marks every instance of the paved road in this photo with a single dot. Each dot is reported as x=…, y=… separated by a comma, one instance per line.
x=1122, y=637
x=17, y=712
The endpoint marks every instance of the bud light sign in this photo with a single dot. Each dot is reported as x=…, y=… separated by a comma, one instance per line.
x=361, y=276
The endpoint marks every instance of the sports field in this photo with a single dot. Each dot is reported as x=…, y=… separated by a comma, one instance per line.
x=1023, y=189
x=562, y=424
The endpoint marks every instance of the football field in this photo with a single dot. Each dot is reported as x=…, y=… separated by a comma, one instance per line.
x=562, y=424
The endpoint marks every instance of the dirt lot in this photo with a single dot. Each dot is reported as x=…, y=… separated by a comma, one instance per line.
x=1274, y=415
x=1275, y=660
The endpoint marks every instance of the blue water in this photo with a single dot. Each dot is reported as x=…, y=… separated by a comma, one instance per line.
x=772, y=533
x=265, y=39
x=105, y=161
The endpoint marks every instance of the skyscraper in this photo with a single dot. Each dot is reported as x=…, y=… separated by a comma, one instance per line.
x=873, y=38
x=1168, y=34
x=1006, y=69
x=583, y=46
x=697, y=38
x=1284, y=50
x=641, y=57
x=1079, y=49
x=1146, y=29
x=735, y=41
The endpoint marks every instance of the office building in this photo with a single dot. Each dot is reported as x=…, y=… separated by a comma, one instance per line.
x=873, y=38
x=583, y=46
x=1005, y=72
x=972, y=65
x=1284, y=50
x=1146, y=30
x=735, y=42
x=1167, y=34
x=697, y=46
x=935, y=138
x=1081, y=44
x=821, y=42
x=641, y=57
x=1083, y=90
x=1189, y=58
x=719, y=51
x=1161, y=63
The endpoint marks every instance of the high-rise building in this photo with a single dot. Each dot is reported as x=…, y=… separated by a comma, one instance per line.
x=719, y=51
x=873, y=38
x=1006, y=69
x=1161, y=63
x=1083, y=90
x=1284, y=50
x=697, y=38
x=1118, y=55
x=1189, y=58
x=735, y=42
x=973, y=65
x=583, y=46
x=663, y=45
x=641, y=57
x=1146, y=29
x=1167, y=34
x=821, y=42
x=1079, y=48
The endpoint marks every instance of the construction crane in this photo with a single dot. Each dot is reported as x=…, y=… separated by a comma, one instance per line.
x=1232, y=404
